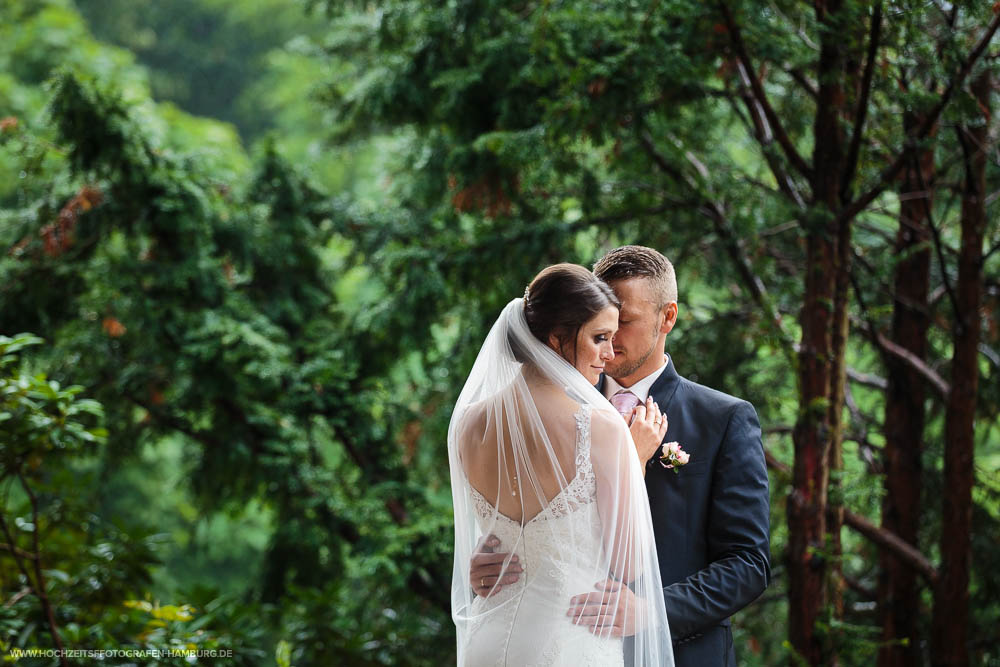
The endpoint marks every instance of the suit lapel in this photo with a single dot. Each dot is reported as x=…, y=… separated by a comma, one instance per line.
x=665, y=387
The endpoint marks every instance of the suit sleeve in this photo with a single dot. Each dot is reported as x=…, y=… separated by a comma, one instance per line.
x=738, y=534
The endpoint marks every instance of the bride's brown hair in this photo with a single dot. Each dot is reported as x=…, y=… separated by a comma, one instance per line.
x=561, y=299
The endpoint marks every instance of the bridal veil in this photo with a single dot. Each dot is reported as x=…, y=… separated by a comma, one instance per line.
x=540, y=460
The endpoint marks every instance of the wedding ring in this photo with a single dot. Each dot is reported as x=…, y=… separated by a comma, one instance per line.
x=482, y=582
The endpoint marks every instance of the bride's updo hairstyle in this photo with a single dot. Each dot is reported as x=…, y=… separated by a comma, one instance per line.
x=559, y=301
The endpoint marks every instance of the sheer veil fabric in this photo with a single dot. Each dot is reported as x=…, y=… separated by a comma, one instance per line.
x=540, y=459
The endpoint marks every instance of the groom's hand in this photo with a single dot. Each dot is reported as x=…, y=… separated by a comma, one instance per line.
x=486, y=570
x=612, y=611
x=648, y=427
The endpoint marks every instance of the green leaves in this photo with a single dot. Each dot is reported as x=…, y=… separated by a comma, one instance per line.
x=37, y=415
x=10, y=346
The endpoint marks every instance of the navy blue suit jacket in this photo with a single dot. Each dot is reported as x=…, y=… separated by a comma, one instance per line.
x=710, y=519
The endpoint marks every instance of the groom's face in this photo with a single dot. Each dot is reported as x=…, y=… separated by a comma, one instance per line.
x=639, y=329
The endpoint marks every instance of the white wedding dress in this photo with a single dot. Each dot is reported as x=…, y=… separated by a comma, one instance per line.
x=526, y=623
x=542, y=461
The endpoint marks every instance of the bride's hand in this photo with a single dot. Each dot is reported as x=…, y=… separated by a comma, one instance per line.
x=648, y=427
x=613, y=611
x=486, y=569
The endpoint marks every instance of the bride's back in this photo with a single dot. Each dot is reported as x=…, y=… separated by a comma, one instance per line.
x=519, y=454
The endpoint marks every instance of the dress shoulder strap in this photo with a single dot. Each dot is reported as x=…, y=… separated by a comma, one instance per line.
x=583, y=436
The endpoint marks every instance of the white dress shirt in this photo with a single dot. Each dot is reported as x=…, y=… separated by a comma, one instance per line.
x=640, y=388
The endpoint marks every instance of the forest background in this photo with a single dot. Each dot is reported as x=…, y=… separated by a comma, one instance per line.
x=249, y=251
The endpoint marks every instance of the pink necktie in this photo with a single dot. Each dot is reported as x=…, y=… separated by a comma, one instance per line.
x=624, y=402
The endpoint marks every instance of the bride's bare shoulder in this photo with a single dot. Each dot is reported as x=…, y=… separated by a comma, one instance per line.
x=606, y=420
x=606, y=429
x=471, y=425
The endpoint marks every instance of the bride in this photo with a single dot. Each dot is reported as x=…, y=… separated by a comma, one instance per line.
x=545, y=467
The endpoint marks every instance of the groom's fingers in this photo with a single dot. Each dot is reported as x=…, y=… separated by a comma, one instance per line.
x=606, y=623
x=484, y=558
x=487, y=585
x=487, y=543
x=608, y=629
x=489, y=572
x=589, y=614
x=596, y=604
x=483, y=568
x=608, y=593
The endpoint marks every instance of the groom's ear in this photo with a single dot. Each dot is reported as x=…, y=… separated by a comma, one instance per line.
x=669, y=317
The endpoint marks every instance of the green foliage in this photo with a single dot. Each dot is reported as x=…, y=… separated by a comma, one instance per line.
x=171, y=40
x=271, y=340
x=37, y=416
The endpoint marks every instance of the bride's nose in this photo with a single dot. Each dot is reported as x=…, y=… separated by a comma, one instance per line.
x=607, y=351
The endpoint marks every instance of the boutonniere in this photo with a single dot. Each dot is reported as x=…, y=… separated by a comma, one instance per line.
x=672, y=456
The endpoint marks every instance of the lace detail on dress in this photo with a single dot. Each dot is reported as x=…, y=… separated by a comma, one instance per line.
x=556, y=548
x=580, y=491
x=602, y=654
x=484, y=510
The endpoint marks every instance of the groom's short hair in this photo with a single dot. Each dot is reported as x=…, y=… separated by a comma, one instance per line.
x=636, y=261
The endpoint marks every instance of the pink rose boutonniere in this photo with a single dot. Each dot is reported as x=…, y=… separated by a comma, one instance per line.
x=672, y=456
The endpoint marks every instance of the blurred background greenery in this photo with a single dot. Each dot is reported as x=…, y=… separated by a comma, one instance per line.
x=258, y=244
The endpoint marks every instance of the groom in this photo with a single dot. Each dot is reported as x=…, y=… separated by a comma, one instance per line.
x=711, y=517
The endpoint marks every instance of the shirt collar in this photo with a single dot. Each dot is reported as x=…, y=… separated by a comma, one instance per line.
x=640, y=388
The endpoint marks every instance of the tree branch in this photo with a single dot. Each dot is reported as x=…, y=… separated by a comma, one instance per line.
x=883, y=538
x=762, y=133
x=859, y=433
x=736, y=37
x=859, y=588
x=800, y=79
x=887, y=346
x=992, y=251
x=867, y=379
x=714, y=212
x=39, y=577
x=939, y=383
x=938, y=243
x=889, y=173
x=17, y=551
x=891, y=542
x=26, y=590
x=861, y=112
x=916, y=363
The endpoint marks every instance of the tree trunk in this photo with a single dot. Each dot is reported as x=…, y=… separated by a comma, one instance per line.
x=949, y=641
x=904, y=410
x=807, y=526
x=835, y=461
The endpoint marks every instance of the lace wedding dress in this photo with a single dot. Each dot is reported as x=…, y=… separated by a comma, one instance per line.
x=540, y=460
x=526, y=623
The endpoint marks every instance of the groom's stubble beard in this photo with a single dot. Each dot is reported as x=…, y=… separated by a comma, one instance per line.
x=629, y=367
